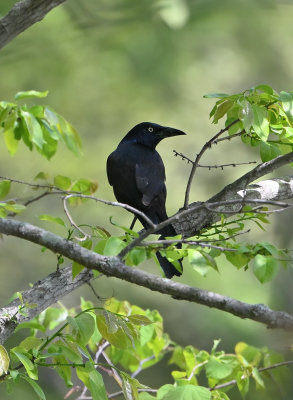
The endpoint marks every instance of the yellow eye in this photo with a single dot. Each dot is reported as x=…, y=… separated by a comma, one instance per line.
x=150, y=129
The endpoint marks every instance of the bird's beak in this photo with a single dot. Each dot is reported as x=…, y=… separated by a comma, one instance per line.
x=169, y=132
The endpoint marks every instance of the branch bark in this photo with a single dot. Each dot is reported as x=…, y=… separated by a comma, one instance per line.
x=113, y=266
x=44, y=293
x=22, y=15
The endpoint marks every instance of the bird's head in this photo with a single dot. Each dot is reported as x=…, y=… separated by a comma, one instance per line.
x=150, y=134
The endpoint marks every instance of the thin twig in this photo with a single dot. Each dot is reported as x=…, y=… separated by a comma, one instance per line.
x=206, y=146
x=166, y=243
x=115, y=204
x=34, y=185
x=139, y=369
x=116, y=376
x=85, y=235
x=229, y=137
x=221, y=166
x=195, y=368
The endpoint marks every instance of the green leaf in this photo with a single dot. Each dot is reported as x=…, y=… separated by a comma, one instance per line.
x=85, y=186
x=64, y=371
x=34, y=129
x=265, y=88
x=113, y=246
x=30, y=368
x=137, y=319
x=70, y=352
x=251, y=354
x=68, y=134
x=41, y=175
x=50, y=146
x=4, y=360
x=129, y=387
x=260, y=122
x=145, y=396
x=4, y=188
x=117, y=337
x=265, y=268
x=258, y=379
x=62, y=182
x=16, y=208
x=31, y=342
x=242, y=384
x=218, y=370
x=76, y=269
x=55, y=220
x=86, y=327
x=187, y=392
x=216, y=95
x=222, y=110
x=198, y=262
x=10, y=141
x=30, y=94
x=269, y=151
x=93, y=381
x=137, y=255
x=35, y=386
x=52, y=317
x=287, y=100
x=96, y=386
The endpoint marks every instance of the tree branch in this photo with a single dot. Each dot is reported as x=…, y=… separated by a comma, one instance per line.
x=190, y=223
x=22, y=15
x=112, y=266
x=44, y=293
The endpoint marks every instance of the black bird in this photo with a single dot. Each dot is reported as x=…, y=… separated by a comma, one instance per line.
x=137, y=174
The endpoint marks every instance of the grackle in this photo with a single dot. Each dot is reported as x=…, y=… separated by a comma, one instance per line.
x=137, y=174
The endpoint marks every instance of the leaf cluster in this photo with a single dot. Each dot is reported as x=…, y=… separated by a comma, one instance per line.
x=130, y=339
x=37, y=126
x=261, y=114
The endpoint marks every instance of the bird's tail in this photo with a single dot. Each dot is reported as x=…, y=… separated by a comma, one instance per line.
x=166, y=265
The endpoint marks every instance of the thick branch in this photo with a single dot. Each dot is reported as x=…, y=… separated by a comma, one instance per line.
x=22, y=15
x=191, y=223
x=112, y=266
x=44, y=293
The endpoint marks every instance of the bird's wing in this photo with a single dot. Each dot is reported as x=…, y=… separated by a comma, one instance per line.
x=150, y=181
x=110, y=168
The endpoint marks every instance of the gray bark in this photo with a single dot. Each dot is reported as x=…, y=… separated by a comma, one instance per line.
x=22, y=15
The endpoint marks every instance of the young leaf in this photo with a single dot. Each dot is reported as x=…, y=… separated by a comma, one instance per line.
x=86, y=327
x=10, y=141
x=35, y=386
x=260, y=122
x=34, y=129
x=55, y=220
x=113, y=246
x=4, y=188
x=265, y=268
x=30, y=368
x=96, y=385
x=30, y=94
x=4, y=360
x=187, y=392
x=218, y=370
x=62, y=182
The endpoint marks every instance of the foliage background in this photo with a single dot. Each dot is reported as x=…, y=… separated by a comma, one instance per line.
x=110, y=64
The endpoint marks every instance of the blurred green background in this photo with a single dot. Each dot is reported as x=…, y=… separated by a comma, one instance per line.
x=110, y=64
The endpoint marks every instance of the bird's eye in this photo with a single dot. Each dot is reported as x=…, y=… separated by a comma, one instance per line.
x=150, y=129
